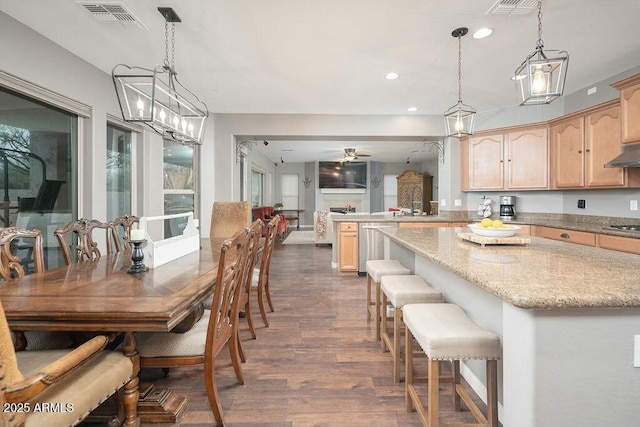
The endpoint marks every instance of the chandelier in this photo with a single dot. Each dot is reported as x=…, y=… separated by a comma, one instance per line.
x=156, y=97
x=459, y=119
x=540, y=78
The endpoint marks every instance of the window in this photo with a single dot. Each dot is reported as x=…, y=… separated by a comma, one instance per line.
x=179, y=185
x=289, y=190
x=118, y=171
x=38, y=152
x=389, y=191
x=257, y=187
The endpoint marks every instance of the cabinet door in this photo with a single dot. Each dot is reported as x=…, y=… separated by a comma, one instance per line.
x=485, y=163
x=568, y=162
x=528, y=159
x=602, y=143
x=571, y=236
x=624, y=244
x=348, y=251
x=630, y=103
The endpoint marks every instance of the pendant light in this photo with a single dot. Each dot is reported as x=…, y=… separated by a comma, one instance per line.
x=157, y=99
x=459, y=119
x=540, y=78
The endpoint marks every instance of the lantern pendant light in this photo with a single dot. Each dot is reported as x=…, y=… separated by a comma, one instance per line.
x=541, y=76
x=156, y=98
x=459, y=119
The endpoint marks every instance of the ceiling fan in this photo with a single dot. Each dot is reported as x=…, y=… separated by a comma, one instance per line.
x=350, y=154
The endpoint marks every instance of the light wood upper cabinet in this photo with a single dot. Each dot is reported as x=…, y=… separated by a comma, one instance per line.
x=568, y=153
x=482, y=162
x=602, y=143
x=629, y=108
x=581, y=145
x=528, y=159
x=516, y=160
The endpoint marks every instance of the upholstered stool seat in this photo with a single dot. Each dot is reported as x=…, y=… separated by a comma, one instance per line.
x=446, y=333
x=399, y=291
x=376, y=269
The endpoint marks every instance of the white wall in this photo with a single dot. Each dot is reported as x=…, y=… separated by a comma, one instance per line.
x=36, y=59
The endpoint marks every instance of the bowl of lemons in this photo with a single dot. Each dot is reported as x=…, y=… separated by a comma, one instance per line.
x=493, y=228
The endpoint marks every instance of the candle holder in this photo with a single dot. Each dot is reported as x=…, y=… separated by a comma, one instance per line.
x=137, y=256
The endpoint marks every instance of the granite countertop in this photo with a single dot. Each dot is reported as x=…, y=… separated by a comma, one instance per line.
x=591, y=224
x=546, y=274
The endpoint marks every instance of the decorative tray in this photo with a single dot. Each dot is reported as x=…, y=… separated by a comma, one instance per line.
x=484, y=240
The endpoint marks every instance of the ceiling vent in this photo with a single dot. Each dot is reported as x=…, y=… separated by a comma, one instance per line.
x=112, y=13
x=512, y=7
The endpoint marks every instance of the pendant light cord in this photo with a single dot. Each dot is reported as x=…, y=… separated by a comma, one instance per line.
x=539, y=43
x=459, y=68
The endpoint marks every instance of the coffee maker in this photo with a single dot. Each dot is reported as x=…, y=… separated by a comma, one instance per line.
x=507, y=208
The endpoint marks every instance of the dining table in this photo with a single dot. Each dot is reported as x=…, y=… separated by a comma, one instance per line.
x=100, y=296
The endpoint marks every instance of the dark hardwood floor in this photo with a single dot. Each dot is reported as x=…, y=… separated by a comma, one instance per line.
x=318, y=364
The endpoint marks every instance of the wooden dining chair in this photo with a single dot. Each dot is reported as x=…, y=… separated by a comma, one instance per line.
x=260, y=275
x=253, y=247
x=11, y=268
x=86, y=247
x=229, y=217
x=124, y=222
x=73, y=381
x=201, y=344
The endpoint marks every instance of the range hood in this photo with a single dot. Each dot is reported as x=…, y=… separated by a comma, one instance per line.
x=630, y=158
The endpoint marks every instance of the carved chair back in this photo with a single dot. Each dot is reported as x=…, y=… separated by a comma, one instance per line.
x=228, y=286
x=125, y=222
x=86, y=248
x=267, y=250
x=229, y=217
x=11, y=267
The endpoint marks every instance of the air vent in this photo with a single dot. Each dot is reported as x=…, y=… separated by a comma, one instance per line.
x=112, y=13
x=512, y=7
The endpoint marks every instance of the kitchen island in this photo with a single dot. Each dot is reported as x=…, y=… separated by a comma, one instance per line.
x=566, y=314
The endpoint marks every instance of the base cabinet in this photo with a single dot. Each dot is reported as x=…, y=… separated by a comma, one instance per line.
x=348, y=247
x=571, y=236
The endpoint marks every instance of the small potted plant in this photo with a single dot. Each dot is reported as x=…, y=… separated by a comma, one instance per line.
x=278, y=206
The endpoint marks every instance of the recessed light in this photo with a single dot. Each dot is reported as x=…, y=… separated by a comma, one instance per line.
x=482, y=33
x=412, y=109
x=391, y=76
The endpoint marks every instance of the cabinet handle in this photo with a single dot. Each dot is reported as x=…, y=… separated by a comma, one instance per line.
x=587, y=151
x=564, y=235
x=579, y=151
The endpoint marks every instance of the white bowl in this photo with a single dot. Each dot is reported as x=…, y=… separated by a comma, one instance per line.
x=478, y=229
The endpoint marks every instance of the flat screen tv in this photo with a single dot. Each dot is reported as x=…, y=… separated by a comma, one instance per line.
x=342, y=174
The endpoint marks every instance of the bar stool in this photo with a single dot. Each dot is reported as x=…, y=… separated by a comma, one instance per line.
x=399, y=291
x=376, y=269
x=446, y=333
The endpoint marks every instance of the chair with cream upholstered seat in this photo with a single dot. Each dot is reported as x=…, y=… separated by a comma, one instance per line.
x=376, y=269
x=201, y=344
x=253, y=247
x=124, y=222
x=73, y=381
x=399, y=291
x=12, y=267
x=86, y=247
x=260, y=279
x=227, y=218
x=445, y=333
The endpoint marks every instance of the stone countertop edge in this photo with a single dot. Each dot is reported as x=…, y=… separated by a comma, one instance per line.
x=568, y=225
x=545, y=274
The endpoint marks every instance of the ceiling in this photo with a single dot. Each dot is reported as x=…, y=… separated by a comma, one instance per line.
x=330, y=57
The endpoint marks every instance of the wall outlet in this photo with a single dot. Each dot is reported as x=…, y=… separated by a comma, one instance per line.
x=636, y=351
x=582, y=203
x=457, y=202
x=633, y=205
x=443, y=203
x=592, y=90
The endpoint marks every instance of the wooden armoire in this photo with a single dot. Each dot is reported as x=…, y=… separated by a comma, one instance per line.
x=412, y=184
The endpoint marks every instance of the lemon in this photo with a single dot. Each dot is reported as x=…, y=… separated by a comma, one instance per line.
x=486, y=222
x=497, y=224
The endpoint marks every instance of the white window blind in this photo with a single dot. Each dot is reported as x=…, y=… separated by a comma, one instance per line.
x=389, y=191
x=289, y=190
